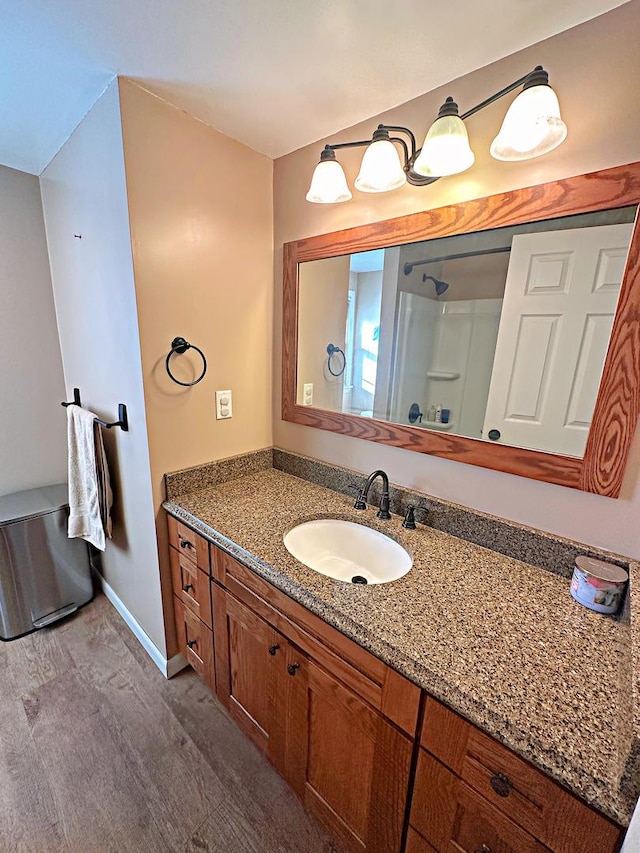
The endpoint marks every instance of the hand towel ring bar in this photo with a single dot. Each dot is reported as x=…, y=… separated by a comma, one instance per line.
x=180, y=346
x=332, y=350
x=122, y=422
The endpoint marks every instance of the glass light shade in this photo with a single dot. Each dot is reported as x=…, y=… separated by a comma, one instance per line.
x=531, y=127
x=446, y=149
x=381, y=169
x=328, y=184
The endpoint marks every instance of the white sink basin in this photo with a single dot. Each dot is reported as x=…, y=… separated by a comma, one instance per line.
x=346, y=551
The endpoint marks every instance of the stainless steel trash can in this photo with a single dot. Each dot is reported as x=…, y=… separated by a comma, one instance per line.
x=44, y=575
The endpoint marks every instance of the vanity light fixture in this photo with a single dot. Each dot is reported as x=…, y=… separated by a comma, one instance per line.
x=532, y=127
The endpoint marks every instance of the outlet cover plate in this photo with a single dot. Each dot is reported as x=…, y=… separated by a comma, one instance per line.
x=224, y=405
x=307, y=394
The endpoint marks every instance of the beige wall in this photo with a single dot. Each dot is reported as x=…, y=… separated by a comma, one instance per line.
x=200, y=206
x=83, y=192
x=595, y=69
x=323, y=292
x=201, y=224
x=32, y=435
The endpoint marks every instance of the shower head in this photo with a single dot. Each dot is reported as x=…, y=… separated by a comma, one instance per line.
x=440, y=286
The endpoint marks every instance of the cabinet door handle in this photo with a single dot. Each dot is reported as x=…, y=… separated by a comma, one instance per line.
x=501, y=785
x=484, y=849
x=184, y=543
x=291, y=669
x=273, y=649
x=191, y=643
x=186, y=587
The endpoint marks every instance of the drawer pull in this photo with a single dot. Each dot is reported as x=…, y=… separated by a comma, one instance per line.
x=291, y=669
x=484, y=849
x=184, y=543
x=191, y=643
x=502, y=786
x=273, y=649
x=186, y=587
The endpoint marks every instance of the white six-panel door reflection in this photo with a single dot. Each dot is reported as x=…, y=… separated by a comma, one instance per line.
x=560, y=299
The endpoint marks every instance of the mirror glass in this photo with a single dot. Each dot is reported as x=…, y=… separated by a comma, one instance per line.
x=498, y=335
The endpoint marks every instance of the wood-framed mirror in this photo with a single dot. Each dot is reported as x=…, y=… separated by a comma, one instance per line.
x=598, y=464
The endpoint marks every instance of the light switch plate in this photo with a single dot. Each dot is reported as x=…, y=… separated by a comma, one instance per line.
x=224, y=405
x=307, y=394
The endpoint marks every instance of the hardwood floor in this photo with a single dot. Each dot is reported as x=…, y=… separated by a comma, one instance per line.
x=98, y=752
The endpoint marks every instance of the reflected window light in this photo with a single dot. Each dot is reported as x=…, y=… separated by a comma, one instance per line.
x=369, y=370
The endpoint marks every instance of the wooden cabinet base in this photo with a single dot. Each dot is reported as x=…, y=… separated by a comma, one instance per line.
x=342, y=727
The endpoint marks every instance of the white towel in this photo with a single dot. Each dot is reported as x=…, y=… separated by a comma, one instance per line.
x=88, y=479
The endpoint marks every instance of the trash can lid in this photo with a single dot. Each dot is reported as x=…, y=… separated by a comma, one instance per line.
x=33, y=502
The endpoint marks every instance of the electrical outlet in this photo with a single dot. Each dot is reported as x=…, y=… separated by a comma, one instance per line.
x=307, y=394
x=224, y=405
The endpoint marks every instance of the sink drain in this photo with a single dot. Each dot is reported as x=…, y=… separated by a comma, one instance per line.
x=358, y=579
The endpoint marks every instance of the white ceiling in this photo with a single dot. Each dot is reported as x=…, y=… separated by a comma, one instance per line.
x=274, y=74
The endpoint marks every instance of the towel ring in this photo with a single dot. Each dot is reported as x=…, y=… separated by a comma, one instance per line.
x=180, y=346
x=331, y=351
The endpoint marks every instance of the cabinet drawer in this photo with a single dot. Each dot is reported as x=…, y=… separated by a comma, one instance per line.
x=188, y=542
x=514, y=786
x=451, y=816
x=191, y=585
x=195, y=641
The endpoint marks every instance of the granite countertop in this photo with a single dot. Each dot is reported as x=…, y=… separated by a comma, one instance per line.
x=498, y=640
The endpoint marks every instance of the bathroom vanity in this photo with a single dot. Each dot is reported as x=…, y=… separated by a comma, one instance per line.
x=471, y=705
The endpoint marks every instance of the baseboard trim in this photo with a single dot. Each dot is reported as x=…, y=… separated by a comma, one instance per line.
x=176, y=664
x=168, y=668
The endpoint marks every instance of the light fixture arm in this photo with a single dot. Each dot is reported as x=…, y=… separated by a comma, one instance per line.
x=381, y=131
x=536, y=77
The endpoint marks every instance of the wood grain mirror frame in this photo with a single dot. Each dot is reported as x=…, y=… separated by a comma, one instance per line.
x=617, y=406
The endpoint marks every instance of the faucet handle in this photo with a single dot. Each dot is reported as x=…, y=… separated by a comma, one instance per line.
x=409, y=516
x=360, y=502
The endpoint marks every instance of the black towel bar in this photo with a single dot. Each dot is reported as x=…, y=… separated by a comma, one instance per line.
x=122, y=422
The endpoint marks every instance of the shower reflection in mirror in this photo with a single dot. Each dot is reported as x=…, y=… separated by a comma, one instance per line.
x=505, y=330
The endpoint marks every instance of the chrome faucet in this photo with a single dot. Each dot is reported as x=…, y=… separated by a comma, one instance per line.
x=361, y=500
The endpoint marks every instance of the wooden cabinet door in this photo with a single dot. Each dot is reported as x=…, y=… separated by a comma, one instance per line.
x=349, y=765
x=249, y=658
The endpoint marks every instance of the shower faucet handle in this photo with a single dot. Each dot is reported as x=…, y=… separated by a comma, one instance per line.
x=415, y=414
